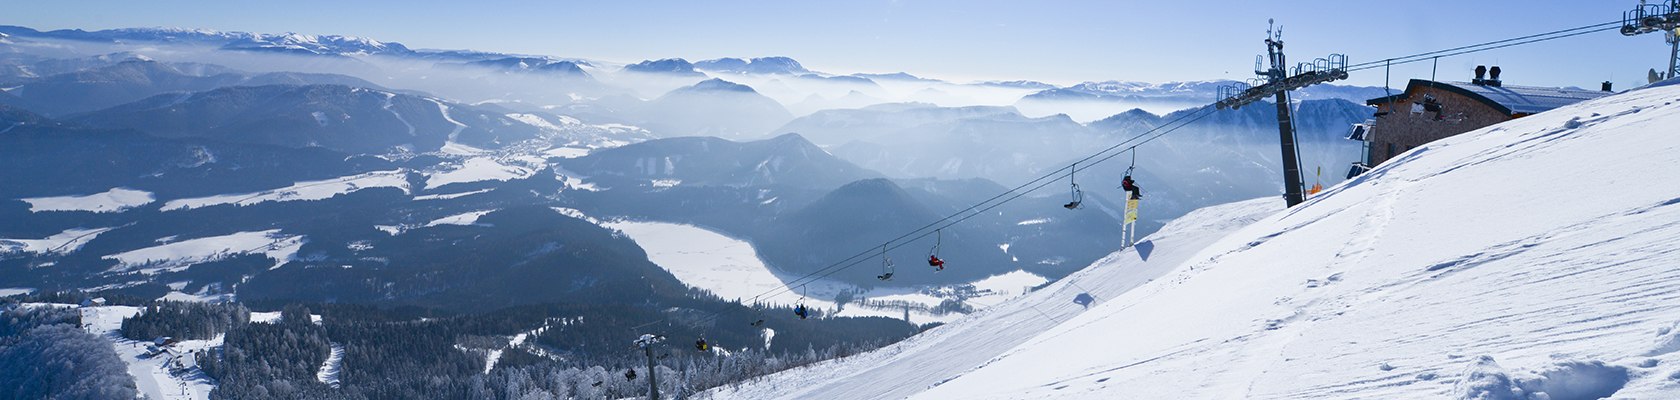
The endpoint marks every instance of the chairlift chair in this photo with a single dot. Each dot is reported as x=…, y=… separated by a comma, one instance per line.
x=758, y=313
x=886, y=265
x=799, y=308
x=933, y=253
x=1078, y=196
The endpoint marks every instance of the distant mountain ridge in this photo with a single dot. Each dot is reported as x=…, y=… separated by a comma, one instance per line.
x=344, y=118
x=135, y=79
x=783, y=160
x=759, y=65
x=675, y=66
x=714, y=107
x=1193, y=91
x=293, y=43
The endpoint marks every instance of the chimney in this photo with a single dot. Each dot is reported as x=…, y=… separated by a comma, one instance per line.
x=1606, y=87
x=1493, y=76
x=1481, y=74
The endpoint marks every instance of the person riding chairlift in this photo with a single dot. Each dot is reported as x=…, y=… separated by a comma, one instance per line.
x=702, y=345
x=934, y=261
x=1131, y=187
x=800, y=311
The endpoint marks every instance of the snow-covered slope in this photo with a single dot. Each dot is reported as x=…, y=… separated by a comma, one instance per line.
x=944, y=353
x=1532, y=259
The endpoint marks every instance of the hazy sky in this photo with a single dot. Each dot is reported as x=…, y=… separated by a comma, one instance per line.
x=1054, y=41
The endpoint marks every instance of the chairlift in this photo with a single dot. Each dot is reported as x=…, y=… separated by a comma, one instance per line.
x=758, y=313
x=933, y=253
x=1078, y=196
x=799, y=308
x=1126, y=182
x=701, y=345
x=886, y=265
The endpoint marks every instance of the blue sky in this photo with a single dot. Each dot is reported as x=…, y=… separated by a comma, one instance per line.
x=1054, y=41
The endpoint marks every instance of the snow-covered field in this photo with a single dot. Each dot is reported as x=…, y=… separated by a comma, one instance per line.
x=177, y=255
x=1461, y=269
x=467, y=218
x=64, y=242
x=114, y=200
x=310, y=190
x=478, y=169
x=731, y=269
x=15, y=291
x=447, y=196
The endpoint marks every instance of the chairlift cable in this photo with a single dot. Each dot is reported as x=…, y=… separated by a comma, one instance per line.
x=1147, y=136
x=1426, y=55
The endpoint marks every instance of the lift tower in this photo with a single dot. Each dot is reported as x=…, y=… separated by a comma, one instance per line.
x=1665, y=18
x=646, y=343
x=1275, y=80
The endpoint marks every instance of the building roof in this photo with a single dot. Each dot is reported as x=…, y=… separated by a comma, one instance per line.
x=1510, y=99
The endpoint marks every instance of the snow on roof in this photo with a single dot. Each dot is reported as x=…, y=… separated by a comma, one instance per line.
x=1511, y=99
x=1530, y=99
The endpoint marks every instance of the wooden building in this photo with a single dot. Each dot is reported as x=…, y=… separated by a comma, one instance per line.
x=1428, y=111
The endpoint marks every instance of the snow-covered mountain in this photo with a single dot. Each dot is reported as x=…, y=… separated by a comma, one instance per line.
x=134, y=79
x=338, y=117
x=295, y=43
x=1202, y=92
x=758, y=65
x=562, y=68
x=1461, y=269
x=288, y=43
x=896, y=76
x=1092, y=100
x=714, y=107
x=706, y=161
x=673, y=66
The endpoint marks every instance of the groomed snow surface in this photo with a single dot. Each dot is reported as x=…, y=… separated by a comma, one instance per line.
x=1534, y=259
x=152, y=372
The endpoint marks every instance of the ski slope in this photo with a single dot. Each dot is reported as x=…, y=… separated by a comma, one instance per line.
x=944, y=353
x=1534, y=259
x=152, y=373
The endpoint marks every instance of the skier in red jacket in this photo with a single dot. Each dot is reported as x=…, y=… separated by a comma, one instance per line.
x=1131, y=187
